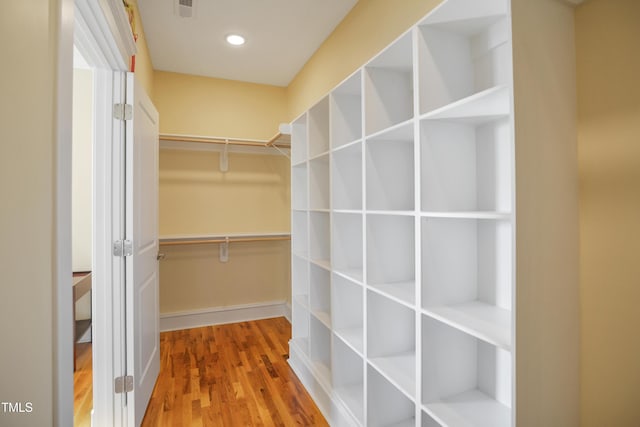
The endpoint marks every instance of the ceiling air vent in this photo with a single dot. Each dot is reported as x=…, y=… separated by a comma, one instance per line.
x=185, y=8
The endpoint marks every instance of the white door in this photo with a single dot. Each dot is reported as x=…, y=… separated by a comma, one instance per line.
x=142, y=313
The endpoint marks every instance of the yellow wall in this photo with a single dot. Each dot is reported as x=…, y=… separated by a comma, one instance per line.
x=196, y=198
x=28, y=47
x=607, y=36
x=547, y=265
x=194, y=105
x=144, y=67
x=368, y=28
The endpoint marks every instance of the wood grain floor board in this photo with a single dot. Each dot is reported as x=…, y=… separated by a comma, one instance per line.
x=229, y=375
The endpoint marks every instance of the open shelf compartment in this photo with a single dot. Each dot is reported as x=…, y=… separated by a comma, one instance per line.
x=390, y=170
x=391, y=341
x=346, y=245
x=300, y=280
x=348, y=378
x=465, y=381
x=320, y=350
x=319, y=128
x=391, y=256
x=346, y=191
x=466, y=167
x=389, y=86
x=386, y=405
x=347, y=311
x=320, y=238
x=467, y=275
x=299, y=140
x=463, y=49
x=299, y=233
x=319, y=183
x=320, y=298
x=299, y=195
x=346, y=112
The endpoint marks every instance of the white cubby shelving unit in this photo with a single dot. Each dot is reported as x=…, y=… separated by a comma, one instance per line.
x=404, y=230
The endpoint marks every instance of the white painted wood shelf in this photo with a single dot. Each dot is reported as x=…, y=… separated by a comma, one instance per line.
x=403, y=217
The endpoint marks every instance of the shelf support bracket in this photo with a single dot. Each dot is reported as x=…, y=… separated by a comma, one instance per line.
x=224, y=157
x=224, y=250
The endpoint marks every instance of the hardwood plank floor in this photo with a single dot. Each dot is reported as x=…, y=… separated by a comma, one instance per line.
x=229, y=375
x=83, y=386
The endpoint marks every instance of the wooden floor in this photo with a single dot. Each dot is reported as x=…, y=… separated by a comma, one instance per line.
x=83, y=386
x=229, y=375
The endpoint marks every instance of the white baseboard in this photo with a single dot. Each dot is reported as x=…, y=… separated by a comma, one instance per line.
x=221, y=315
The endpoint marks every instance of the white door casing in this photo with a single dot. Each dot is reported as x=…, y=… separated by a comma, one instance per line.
x=142, y=299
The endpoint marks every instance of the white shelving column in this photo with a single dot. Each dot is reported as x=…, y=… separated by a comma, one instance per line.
x=403, y=230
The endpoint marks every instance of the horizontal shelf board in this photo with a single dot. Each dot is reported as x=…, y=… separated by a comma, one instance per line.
x=396, y=131
x=301, y=210
x=349, y=278
x=302, y=301
x=467, y=215
x=347, y=211
x=298, y=163
x=326, y=264
x=179, y=237
x=354, y=274
x=352, y=337
x=353, y=398
x=466, y=27
x=387, y=212
x=484, y=321
x=323, y=317
x=402, y=292
x=488, y=105
x=346, y=145
x=321, y=210
x=400, y=370
x=319, y=156
x=471, y=408
x=299, y=254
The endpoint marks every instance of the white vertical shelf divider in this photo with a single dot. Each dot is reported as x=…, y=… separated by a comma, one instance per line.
x=403, y=230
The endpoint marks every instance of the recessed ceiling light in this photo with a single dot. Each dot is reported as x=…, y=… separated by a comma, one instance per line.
x=235, y=39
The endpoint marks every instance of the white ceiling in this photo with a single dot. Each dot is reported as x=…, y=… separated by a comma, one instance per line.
x=281, y=36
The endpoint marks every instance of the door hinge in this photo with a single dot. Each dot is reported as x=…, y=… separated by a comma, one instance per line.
x=122, y=248
x=123, y=384
x=123, y=111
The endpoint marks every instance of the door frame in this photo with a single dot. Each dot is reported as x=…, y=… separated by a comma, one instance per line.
x=100, y=29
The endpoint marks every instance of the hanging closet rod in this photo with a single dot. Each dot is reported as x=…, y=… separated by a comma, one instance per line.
x=204, y=241
x=277, y=141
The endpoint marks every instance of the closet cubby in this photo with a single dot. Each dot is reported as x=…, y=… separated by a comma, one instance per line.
x=319, y=135
x=348, y=312
x=346, y=184
x=466, y=167
x=386, y=405
x=320, y=238
x=465, y=381
x=391, y=256
x=300, y=325
x=299, y=194
x=463, y=49
x=320, y=350
x=467, y=275
x=391, y=341
x=390, y=170
x=346, y=245
x=389, y=86
x=299, y=227
x=348, y=378
x=300, y=280
x=320, y=297
x=346, y=112
x=428, y=421
x=299, y=140
x=319, y=183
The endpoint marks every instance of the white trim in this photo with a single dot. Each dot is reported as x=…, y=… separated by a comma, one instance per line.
x=287, y=312
x=61, y=328
x=179, y=237
x=221, y=315
x=118, y=21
